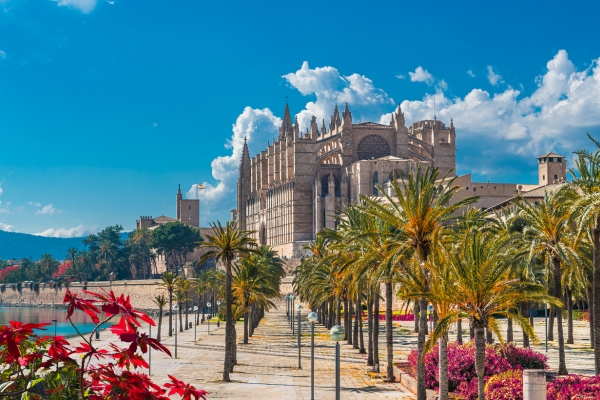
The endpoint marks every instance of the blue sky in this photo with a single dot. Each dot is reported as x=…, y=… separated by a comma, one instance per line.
x=106, y=106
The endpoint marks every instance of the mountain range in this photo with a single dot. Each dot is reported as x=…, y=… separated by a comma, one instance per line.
x=21, y=245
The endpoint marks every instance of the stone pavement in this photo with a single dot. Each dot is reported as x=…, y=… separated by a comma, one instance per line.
x=268, y=366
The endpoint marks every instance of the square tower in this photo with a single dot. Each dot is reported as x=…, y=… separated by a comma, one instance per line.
x=552, y=168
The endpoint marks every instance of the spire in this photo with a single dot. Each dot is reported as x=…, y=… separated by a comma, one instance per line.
x=323, y=128
x=296, y=128
x=245, y=160
x=286, y=125
x=347, y=117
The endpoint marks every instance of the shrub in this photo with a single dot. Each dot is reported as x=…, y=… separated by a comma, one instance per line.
x=398, y=317
x=36, y=288
x=461, y=364
x=577, y=387
x=19, y=287
x=507, y=385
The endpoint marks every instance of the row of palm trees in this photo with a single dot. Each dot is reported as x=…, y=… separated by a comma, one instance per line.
x=427, y=248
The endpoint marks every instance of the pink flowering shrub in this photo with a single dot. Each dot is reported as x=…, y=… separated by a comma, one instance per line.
x=461, y=364
x=4, y=272
x=506, y=385
x=62, y=269
x=574, y=387
x=399, y=317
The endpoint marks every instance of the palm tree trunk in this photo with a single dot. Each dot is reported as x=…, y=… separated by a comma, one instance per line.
x=416, y=314
x=480, y=359
x=509, y=330
x=551, y=323
x=596, y=291
x=376, y=329
x=590, y=301
x=443, y=365
x=180, y=320
x=229, y=328
x=562, y=365
x=370, y=331
x=523, y=311
x=389, y=336
x=459, y=339
x=569, y=303
x=160, y=314
x=355, y=330
x=347, y=321
x=170, y=313
x=251, y=320
x=186, y=317
x=246, y=318
x=339, y=311
x=488, y=336
x=421, y=391
x=361, y=336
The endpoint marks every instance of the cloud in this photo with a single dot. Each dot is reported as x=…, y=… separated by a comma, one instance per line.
x=6, y=227
x=564, y=105
x=330, y=88
x=5, y=209
x=46, y=210
x=1, y=191
x=77, y=231
x=401, y=76
x=85, y=6
x=2, y=54
x=35, y=204
x=258, y=127
x=493, y=77
x=421, y=75
x=471, y=74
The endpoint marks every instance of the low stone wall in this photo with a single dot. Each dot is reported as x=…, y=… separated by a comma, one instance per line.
x=141, y=293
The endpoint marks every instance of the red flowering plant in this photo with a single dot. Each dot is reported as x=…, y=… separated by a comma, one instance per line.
x=62, y=269
x=36, y=367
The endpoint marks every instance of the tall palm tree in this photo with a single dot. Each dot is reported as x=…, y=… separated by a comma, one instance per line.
x=585, y=211
x=547, y=232
x=419, y=212
x=481, y=289
x=181, y=298
x=144, y=239
x=226, y=244
x=169, y=283
x=160, y=302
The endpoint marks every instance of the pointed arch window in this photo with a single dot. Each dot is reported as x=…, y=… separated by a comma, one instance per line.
x=375, y=183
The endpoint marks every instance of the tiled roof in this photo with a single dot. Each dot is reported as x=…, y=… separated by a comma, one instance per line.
x=542, y=190
x=163, y=219
x=551, y=155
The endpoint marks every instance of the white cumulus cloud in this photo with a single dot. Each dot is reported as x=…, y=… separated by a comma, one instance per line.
x=6, y=227
x=85, y=6
x=77, y=231
x=493, y=77
x=421, y=75
x=46, y=210
x=471, y=74
x=2, y=54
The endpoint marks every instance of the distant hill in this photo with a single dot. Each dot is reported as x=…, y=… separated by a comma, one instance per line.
x=20, y=245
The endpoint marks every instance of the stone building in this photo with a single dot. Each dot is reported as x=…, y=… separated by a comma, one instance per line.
x=187, y=211
x=296, y=186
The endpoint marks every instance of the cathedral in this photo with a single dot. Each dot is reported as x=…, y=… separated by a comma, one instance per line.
x=295, y=187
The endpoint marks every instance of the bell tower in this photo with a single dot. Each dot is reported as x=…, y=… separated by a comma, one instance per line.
x=552, y=168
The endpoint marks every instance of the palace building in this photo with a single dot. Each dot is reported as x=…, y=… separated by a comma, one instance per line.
x=296, y=186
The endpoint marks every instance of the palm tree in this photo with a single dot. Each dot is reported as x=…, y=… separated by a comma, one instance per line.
x=185, y=285
x=418, y=215
x=481, y=289
x=585, y=211
x=144, y=240
x=226, y=244
x=547, y=231
x=160, y=301
x=169, y=283
x=181, y=298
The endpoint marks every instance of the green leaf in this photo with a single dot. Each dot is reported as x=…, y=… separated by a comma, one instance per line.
x=5, y=385
x=34, y=382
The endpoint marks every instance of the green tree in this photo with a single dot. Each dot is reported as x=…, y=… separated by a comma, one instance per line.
x=175, y=240
x=169, y=283
x=160, y=302
x=226, y=244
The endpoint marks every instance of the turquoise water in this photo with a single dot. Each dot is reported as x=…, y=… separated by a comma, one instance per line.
x=36, y=315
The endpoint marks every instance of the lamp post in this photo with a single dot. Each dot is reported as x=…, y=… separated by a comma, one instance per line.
x=218, y=313
x=299, y=308
x=111, y=277
x=208, y=305
x=292, y=298
x=546, y=323
x=195, y=325
x=287, y=306
x=149, y=351
x=312, y=318
x=175, y=308
x=55, y=321
x=336, y=334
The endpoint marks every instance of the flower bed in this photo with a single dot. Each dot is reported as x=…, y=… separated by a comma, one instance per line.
x=576, y=387
x=462, y=377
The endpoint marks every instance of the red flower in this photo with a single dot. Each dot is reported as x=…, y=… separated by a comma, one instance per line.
x=113, y=305
x=185, y=391
x=11, y=335
x=84, y=305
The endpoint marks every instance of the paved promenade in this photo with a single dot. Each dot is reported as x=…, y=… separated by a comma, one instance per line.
x=268, y=366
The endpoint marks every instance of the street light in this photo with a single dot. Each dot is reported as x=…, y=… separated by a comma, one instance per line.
x=292, y=298
x=208, y=305
x=312, y=318
x=175, y=308
x=287, y=306
x=299, y=307
x=336, y=334
x=149, y=351
x=55, y=321
x=196, y=324
x=218, y=313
